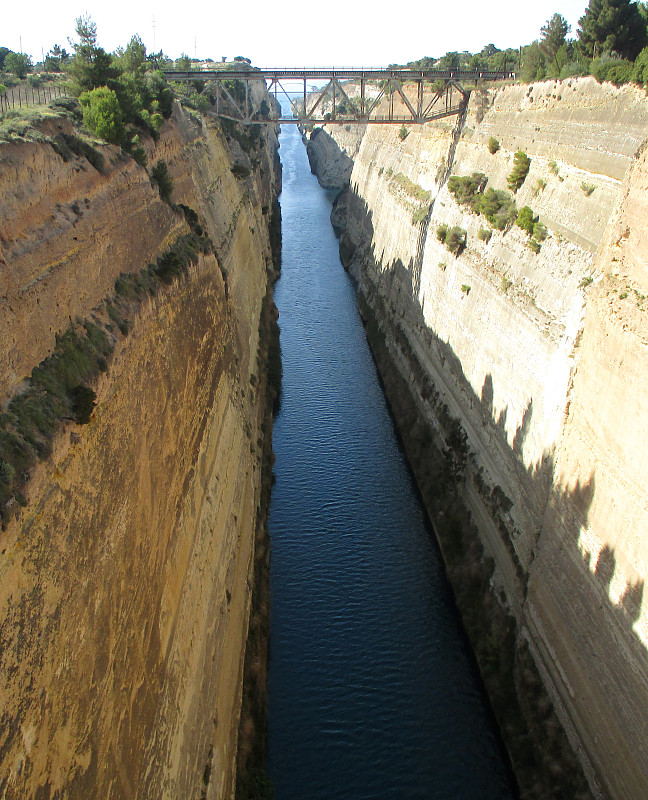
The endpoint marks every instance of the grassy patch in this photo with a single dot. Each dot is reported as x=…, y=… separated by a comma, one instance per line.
x=412, y=189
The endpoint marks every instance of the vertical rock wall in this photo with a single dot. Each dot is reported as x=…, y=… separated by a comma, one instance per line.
x=523, y=375
x=125, y=582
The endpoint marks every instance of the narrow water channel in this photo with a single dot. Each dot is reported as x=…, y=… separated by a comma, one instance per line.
x=372, y=694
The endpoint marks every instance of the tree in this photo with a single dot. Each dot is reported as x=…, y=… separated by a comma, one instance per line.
x=56, y=59
x=4, y=51
x=450, y=60
x=183, y=63
x=90, y=66
x=640, y=69
x=102, y=114
x=612, y=26
x=132, y=59
x=553, y=36
x=534, y=66
x=18, y=63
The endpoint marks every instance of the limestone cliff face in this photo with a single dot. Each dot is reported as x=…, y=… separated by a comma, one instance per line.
x=331, y=159
x=526, y=372
x=125, y=583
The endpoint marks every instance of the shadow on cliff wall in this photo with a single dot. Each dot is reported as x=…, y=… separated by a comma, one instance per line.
x=558, y=515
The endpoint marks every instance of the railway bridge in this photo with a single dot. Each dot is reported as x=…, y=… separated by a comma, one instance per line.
x=366, y=95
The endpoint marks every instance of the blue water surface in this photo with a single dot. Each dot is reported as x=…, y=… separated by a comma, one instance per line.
x=372, y=693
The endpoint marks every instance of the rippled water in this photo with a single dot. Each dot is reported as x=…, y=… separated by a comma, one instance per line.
x=372, y=694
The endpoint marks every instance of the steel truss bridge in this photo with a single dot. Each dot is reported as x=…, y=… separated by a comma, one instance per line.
x=349, y=95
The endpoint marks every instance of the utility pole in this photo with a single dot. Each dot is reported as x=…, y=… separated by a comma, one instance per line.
x=154, y=47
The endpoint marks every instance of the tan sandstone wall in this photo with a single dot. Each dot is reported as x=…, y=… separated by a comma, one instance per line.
x=125, y=583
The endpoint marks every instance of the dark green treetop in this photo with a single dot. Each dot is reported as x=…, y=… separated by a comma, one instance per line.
x=90, y=66
x=612, y=26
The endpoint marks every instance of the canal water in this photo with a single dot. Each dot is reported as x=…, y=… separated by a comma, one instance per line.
x=372, y=694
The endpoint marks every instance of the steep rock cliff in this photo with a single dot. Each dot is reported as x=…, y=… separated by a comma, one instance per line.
x=125, y=582
x=523, y=376
x=331, y=160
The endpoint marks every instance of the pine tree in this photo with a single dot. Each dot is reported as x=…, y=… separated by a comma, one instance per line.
x=553, y=36
x=91, y=66
x=612, y=26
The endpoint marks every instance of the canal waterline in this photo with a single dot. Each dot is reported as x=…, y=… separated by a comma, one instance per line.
x=372, y=691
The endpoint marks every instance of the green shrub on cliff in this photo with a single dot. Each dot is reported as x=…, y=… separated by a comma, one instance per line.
x=412, y=189
x=521, y=164
x=616, y=71
x=453, y=238
x=525, y=220
x=498, y=207
x=102, y=115
x=160, y=176
x=456, y=240
x=640, y=68
x=540, y=232
x=468, y=190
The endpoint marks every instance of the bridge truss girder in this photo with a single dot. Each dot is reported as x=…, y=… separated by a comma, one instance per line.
x=411, y=97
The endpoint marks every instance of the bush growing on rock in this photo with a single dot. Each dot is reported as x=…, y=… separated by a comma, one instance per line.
x=493, y=145
x=102, y=114
x=521, y=164
x=539, y=232
x=616, y=71
x=525, y=220
x=456, y=240
x=468, y=190
x=160, y=176
x=498, y=207
x=640, y=68
x=453, y=238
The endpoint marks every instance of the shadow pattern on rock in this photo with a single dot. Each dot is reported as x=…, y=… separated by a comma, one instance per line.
x=529, y=691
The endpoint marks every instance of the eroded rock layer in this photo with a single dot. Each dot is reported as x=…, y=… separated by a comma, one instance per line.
x=125, y=582
x=516, y=369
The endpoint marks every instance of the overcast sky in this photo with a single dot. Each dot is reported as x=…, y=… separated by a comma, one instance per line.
x=288, y=33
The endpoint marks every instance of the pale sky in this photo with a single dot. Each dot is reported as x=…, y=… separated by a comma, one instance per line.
x=289, y=32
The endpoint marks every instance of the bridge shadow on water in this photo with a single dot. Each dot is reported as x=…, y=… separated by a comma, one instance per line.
x=570, y=634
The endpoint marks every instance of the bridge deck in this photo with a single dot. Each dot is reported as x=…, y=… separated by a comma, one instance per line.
x=341, y=73
x=383, y=95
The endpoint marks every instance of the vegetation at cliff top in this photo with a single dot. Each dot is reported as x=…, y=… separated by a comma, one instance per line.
x=611, y=44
